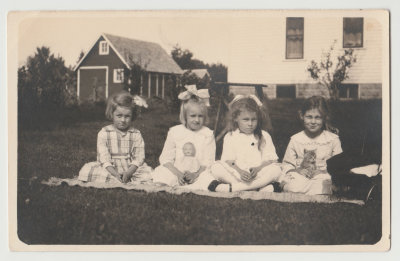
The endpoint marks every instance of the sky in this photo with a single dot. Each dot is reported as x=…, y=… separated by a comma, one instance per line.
x=67, y=33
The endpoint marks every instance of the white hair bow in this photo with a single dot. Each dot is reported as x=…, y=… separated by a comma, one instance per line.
x=251, y=96
x=191, y=90
x=139, y=101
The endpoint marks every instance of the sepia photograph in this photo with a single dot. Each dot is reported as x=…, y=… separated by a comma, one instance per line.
x=199, y=130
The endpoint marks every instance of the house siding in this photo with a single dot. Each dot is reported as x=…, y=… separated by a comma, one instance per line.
x=111, y=60
x=259, y=48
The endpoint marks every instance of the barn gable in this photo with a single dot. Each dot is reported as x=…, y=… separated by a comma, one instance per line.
x=100, y=71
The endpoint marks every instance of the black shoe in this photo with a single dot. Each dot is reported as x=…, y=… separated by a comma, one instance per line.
x=213, y=185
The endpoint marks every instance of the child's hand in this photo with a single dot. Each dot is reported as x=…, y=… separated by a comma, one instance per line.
x=191, y=177
x=245, y=176
x=181, y=177
x=254, y=171
x=126, y=177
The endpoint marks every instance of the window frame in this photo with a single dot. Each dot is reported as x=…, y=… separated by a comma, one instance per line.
x=118, y=72
x=105, y=52
x=286, y=39
x=286, y=85
x=348, y=86
x=362, y=32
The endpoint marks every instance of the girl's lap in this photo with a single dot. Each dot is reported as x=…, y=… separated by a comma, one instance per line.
x=319, y=184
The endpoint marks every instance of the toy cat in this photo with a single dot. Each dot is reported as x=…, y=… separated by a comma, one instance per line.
x=308, y=167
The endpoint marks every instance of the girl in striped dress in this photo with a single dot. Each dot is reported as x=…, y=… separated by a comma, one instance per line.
x=120, y=147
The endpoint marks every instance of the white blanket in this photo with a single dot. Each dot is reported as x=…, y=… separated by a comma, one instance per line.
x=254, y=195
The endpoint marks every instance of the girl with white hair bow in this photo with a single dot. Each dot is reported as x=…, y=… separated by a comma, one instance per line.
x=193, y=117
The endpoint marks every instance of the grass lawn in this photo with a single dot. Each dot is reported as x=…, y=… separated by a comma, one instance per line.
x=75, y=215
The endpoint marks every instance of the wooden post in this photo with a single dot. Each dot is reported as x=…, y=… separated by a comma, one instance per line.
x=157, y=84
x=163, y=86
x=149, y=85
x=141, y=84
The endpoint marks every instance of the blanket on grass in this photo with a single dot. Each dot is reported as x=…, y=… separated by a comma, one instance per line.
x=253, y=195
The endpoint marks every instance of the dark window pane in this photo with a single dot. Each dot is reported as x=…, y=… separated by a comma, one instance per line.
x=353, y=91
x=286, y=91
x=353, y=32
x=342, y=91
x=347, y=91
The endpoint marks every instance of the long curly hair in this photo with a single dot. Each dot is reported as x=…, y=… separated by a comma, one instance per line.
x=247, y=104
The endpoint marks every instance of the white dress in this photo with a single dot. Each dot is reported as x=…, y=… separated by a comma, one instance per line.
x=327, y=145
x=243, y=149
x=204, y=142
x=187, y=163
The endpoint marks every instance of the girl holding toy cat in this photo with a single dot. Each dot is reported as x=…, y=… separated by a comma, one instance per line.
x=191, y=136
x=248, y=160
x=304, y=163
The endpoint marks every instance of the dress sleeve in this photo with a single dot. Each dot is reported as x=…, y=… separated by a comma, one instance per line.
x=210, y=149
x=268, y=151
x=336, y=147
x=169, y=151
x=289, y=160
x=138, y=152
x=228, y=152
x=103, y=155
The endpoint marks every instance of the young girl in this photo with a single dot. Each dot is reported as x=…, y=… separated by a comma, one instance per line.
x=193, y=116
x=248, y=160
x=315, y=137
x=120, y=147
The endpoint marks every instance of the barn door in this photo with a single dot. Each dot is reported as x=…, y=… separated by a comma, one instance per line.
x=92, y=85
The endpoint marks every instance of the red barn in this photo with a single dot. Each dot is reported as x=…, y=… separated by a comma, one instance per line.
x=100, y=72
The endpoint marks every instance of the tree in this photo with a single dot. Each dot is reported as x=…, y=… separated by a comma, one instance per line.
x=330, y=73
x=43, y=84
x=133, y=77
x=184, y=58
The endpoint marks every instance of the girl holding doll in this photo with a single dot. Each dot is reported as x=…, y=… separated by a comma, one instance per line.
x=304, y=164
x=248, y=160
x=120, y=146
x=190, y=133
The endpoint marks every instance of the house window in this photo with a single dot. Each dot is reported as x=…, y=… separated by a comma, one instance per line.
x=118, y=75
x=348, y=91
x=103, y=48
x=286, y=91
x=294, y=37
x=353, y=32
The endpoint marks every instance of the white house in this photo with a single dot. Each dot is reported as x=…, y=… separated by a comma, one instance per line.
x=276, y=49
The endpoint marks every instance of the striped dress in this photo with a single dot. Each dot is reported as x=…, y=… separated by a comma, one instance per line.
x=120, y=150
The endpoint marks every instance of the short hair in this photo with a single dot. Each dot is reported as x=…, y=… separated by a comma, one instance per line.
x=192, y=101
x=123, y=99
x=319, y=103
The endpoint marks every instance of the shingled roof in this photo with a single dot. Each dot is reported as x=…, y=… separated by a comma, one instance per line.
x=151, y=56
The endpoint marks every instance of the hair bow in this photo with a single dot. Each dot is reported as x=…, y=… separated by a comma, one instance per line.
x=251, y=96
x=191, y=90
x=139, y=101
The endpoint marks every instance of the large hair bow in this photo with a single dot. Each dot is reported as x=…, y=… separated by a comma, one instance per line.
x=191, y=90
x=251, y=96
x=139, y=101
